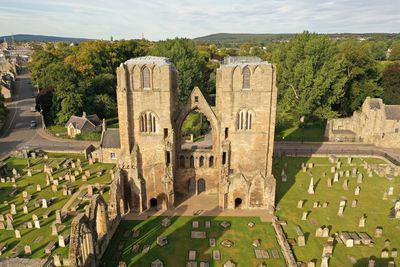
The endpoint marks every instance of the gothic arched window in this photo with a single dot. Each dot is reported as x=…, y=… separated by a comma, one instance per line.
x=244, y=120
x=246, y=78
x=148, y=122
x=146, y=78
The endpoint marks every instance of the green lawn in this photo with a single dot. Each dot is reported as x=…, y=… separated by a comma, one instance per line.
x=369, y=202
x=175, y=253
x=28, y=184
x=58, y=130
x=311, y=132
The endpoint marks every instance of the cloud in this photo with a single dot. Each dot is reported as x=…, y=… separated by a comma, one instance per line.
x=159, y=19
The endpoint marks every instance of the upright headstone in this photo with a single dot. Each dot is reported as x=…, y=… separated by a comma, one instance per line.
x=304, y=216
x=311, y=186
x=361, y=223
x=17, y=234
x=357, y=191
x=38, y=188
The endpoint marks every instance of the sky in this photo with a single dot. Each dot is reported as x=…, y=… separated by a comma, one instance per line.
x=161, y=19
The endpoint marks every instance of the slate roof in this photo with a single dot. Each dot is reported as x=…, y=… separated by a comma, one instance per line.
x=392, y=112
x=80, y=122
x=111, y=139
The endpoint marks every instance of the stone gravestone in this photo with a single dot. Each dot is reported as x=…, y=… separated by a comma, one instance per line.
x=357, y=191
x=17, y=234
x=44, y=203
x=54, y=230
x=329, y=182
x=341, y=210
x=361, y=223
x=27, y=250
x=336, y=177
x=25, y=209
x=13, y=209
x=58, y=217
x=311, y=186
x=2, y=227
x=390, y=191
x=354, y=203
x=37, y=224
x=318, y=232
x=301, y=241
x=38, y=188
x=304, y=216
x=10, y=226
x=300, y=204
x=359, y=178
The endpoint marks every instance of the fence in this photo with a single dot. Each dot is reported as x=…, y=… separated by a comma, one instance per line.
x=334, y=151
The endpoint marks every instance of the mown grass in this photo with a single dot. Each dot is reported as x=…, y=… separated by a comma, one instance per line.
x=176, y=252
x=29, y=184
x=370, y=203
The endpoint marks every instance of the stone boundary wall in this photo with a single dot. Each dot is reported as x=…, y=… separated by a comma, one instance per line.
x=285, y=247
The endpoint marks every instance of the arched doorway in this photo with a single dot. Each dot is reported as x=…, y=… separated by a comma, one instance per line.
x=238, y=203
x=153, y=203
x=201, y=186
x=192, y=186
x=196, y=133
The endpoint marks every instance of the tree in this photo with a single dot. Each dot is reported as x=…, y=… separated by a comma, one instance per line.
x=378, y=49
x=395, y=51
x=310, y=76
x=191, y=66
x=391, y=84
x=362, y=75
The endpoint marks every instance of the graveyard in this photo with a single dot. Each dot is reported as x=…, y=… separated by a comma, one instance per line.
x=194, y=241
x=39, y=197
x=346, y=211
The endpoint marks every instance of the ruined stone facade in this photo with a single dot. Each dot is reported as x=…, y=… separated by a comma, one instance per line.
x=236, y=166
x=376, y=123
x=92, y=231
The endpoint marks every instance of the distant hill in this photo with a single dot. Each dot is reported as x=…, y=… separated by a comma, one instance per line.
x=233, y=39
x=42, y=38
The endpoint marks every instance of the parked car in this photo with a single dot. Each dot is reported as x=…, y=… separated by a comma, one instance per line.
x=33, y=124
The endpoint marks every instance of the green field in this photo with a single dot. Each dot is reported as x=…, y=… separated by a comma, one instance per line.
x=369, y=202
x=39, y=238
x=175, y=253
x=310, y=133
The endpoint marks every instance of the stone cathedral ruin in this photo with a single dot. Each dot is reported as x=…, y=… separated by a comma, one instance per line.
x=236, y=161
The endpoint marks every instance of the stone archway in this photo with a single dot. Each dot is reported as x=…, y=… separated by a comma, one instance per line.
x=153, y=203
x=197, y=103
x=201, y=186
x=238, y=203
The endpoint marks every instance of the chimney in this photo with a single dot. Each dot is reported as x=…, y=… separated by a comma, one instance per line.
x=84, y=115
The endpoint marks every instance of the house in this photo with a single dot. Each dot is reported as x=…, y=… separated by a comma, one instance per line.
x=85, y=124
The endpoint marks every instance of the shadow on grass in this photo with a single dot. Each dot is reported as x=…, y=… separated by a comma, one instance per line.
x=175, y=253
x=379, y=262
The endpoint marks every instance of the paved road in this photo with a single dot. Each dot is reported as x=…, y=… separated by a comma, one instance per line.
x=335, y=148
x=17, y=133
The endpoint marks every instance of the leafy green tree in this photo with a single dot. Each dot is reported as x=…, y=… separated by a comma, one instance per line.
x=391, y=84
x=362, y=75
x=191, y=65
x=310, y=77
x=395, y=51
x=378, y=49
